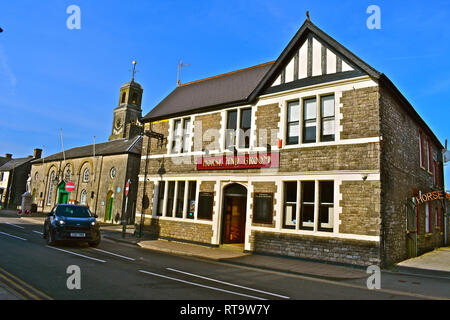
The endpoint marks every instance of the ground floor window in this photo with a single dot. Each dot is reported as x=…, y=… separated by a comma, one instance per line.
x=191, y=199
x=315, y=202
x=326, y=205
x=307, y=206
x=179, y=200
x=290, y=205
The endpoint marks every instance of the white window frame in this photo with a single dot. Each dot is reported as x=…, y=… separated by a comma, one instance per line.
x=185, y=139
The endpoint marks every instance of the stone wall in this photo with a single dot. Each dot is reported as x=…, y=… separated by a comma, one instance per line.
x=360, y=204
x=267, y=118
x=360, y=110
x=179, y=229
x=210, y=121
x=401, y=176
x=264, y=187
x=360, y=253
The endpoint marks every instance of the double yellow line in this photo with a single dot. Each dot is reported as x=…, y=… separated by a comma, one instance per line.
x=21, y=288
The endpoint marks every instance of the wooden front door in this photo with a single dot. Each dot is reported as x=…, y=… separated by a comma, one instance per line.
x=234, y=219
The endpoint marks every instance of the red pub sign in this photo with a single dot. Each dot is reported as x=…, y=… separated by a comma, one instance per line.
x=244, y=161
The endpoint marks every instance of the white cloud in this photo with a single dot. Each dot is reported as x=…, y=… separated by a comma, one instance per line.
x=6, y=70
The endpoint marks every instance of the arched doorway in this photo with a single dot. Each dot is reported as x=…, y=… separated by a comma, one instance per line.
x=109, y=206
x=234, y=214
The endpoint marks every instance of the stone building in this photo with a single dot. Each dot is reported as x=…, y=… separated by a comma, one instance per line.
x=99, y=171
x=14, y=174
x=314, y=155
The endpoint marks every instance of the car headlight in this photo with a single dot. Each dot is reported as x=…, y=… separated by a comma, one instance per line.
x=93, y=223
x=61, y=222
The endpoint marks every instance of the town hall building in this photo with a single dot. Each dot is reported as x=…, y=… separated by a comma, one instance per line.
x=314, y=155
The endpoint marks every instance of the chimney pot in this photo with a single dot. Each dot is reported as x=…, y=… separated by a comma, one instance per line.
x=8, y=156
x=37, y=153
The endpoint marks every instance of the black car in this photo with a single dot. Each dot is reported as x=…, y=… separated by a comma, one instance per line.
x=71, y=223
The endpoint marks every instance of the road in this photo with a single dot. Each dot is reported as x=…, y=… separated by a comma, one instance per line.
x=123, y=271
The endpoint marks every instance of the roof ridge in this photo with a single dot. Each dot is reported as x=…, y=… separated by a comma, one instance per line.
x=228, y=73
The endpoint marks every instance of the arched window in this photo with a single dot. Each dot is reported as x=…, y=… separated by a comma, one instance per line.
x=134, y=100
x=124, y=95
x=36, y=176
x=67, y=173
x=51, y=186
x=86, y=174
x=83, y=197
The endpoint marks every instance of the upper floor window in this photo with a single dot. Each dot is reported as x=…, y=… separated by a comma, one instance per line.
x=124, y=95
x=181, y=139
x=309, y=120
x=317, y=124
x=327, y=115
x=293, y=125
x=421, y=149
x=67, y=174
x=243, y=117
x=430, y=156
x=86, y=174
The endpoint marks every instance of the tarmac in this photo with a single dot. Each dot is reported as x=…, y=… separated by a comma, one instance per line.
x=435, y=263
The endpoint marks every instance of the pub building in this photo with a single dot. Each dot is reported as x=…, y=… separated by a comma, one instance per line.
x=314, y=155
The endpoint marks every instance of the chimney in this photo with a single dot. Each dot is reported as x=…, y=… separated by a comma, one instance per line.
x=8, y=156
x=37, y=153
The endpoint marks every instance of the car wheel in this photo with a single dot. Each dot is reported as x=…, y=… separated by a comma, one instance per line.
x=50, y=238
x=94, y=243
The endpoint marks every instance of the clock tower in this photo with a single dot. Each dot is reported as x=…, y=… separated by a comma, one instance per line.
x=126, y=115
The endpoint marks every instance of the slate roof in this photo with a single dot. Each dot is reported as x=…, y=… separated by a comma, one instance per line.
x=119, y=146
x=229, y=88
x=14, y=163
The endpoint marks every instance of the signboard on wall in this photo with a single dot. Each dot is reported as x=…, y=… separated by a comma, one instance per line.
x=245, y=161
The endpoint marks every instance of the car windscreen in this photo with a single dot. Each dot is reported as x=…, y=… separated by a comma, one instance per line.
x=73, y=212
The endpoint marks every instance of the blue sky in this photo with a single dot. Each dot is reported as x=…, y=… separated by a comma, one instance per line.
x=52, y=77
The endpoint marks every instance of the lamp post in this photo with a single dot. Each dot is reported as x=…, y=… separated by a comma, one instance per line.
x=150, y=134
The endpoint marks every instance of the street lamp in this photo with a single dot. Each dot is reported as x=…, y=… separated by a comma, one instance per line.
x=160, y=137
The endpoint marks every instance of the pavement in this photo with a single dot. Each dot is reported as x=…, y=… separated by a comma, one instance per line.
x=436, y=263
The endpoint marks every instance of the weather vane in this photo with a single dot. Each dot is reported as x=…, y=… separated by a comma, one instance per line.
x=307, y=16
x=134, y=71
